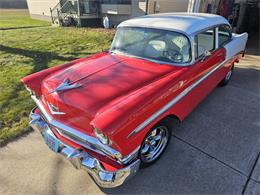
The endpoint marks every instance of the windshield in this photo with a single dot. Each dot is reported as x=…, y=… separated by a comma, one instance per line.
x=155, y=44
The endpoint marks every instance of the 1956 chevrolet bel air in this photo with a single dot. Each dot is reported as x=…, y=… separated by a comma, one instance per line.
x=113, y=112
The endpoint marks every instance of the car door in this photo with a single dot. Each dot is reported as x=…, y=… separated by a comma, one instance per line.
x=208, y=56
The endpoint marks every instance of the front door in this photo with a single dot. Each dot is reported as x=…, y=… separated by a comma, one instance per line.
x=205, y=72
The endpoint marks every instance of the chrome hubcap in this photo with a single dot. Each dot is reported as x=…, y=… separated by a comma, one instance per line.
x=228, y=75
x=154, y=144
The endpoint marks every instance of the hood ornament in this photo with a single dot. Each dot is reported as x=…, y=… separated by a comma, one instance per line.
x=65, y=85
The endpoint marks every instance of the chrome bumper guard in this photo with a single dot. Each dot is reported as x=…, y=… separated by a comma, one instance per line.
x=82, y=160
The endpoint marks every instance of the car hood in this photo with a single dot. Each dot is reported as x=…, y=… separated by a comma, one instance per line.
x=101, y=83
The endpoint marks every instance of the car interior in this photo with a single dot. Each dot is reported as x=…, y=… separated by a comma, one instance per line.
x=169, y=47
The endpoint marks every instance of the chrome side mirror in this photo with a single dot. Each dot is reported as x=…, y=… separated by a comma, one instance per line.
x=205, y=55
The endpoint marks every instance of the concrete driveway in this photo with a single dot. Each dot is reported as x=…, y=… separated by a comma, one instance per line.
x=214, y=151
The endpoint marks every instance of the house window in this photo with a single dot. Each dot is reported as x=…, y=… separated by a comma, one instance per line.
x=204, y=41
x=224, y=35
x=89, y=7
x=116, y=1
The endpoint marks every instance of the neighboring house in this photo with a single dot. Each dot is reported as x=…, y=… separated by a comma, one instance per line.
x=40, y=9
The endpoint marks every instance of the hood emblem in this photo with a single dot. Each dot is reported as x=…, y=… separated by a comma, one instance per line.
x=65, y=85
x=54, y=110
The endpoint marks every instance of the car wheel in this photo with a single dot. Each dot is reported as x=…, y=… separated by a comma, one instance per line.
x=155, y=142
x=227, y=78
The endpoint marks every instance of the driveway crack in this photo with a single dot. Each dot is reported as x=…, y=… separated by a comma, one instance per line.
x=209, y=155
x=250, y=175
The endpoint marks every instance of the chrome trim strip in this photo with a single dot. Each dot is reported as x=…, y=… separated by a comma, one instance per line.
x=51, y=108
x=80, y=143
x=130, y=157
x=104, y=148
x=216, y=38
x=175, y=100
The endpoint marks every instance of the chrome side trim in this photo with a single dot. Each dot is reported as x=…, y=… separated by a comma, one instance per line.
x=175, y=100
x=104, y=148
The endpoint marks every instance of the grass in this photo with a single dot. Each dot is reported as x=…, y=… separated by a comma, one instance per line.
x=25, y=51
x=14, y=18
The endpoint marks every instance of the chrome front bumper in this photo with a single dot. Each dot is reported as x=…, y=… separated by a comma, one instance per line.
x=82, y=160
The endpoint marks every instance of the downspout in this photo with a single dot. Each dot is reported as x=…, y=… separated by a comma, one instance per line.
x=193, y=6
x=146, y=6
x=79, y=19
x=197, y=6
x=52, y=21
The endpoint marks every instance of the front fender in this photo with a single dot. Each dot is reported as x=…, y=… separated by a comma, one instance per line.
x=119, y=120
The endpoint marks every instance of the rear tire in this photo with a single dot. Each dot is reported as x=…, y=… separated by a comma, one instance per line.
x=227, y=78
x=155, y=142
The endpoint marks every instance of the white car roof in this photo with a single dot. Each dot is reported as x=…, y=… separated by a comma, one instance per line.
x=188, y=23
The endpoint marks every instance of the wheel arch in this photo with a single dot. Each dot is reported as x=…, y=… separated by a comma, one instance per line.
x=173, y=117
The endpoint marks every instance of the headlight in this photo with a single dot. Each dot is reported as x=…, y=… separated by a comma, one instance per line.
x=101, y=136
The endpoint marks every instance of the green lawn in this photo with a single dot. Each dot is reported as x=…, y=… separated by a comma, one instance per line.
x=10, y=19
x=24, y=51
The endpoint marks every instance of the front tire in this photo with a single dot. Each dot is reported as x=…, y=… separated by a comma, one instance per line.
x=227, y=78
x=155, y=142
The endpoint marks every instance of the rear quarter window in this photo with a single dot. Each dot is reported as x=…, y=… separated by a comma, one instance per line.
x=224, y=35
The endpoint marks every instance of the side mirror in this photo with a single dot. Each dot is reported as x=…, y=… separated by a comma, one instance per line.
x=205, y=55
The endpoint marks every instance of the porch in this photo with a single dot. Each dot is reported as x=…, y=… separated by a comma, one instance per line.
x=76, y=12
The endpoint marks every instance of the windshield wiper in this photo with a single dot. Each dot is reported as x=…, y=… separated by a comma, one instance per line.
x=116, y=51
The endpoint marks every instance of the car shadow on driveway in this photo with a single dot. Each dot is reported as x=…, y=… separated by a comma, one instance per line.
x=216, y=147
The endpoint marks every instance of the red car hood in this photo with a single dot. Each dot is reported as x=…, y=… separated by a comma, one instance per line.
x=104, y=82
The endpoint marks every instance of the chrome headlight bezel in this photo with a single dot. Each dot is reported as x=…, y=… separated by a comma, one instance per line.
x=29, y=90
x=101, y=137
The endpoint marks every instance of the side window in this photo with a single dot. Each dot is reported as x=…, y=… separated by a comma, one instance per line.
x=204, y=41
x=224, y=35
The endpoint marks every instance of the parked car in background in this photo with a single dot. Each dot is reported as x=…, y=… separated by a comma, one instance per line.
x=115, y=111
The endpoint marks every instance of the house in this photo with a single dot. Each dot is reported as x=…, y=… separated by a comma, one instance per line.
x=91, y=12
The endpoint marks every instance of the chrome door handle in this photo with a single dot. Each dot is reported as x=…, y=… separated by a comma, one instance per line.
x=220, y=54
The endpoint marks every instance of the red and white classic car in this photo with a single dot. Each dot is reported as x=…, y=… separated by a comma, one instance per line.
x=114, y=112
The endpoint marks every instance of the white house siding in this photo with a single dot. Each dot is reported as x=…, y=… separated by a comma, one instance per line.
x=136, y=9
x=40, y=9
x=142, y=5
x=162, y=6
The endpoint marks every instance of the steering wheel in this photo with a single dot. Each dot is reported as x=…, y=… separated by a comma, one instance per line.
x=173, y=55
